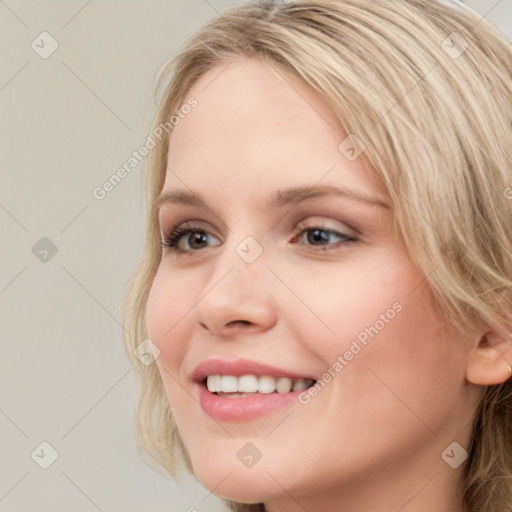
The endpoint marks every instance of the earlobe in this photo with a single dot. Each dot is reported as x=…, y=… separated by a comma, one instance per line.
x=490, y=362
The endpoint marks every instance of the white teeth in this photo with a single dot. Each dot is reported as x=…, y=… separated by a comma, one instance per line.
x=300, y=384
x=284, y=385
x=253, y=384
x=248, y=383
x=229, y=384
x=214, y=383
x=266, y=384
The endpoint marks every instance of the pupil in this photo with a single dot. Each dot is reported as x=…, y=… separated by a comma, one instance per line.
x=198, y=237
x=318, y=235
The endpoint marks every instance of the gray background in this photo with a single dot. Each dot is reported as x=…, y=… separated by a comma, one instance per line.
x=67, y=123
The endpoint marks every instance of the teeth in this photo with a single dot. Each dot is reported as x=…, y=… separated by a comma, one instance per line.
x=266, y=384
x=229, y=384
x=284, y=385
x=250, y=384
x=214, y=383
x=300, y=384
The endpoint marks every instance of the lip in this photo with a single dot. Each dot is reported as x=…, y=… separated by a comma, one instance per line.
x=240, y=409
x=241, y=367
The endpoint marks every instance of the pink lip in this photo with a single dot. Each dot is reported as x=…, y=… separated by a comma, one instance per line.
x=245, y=408
x=242, y=408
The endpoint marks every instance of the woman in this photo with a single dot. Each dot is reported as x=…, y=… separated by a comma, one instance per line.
x=325, y=285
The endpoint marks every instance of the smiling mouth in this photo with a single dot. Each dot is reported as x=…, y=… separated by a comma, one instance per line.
x=232, y=386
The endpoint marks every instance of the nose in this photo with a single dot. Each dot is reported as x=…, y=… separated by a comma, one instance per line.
x=237, y=299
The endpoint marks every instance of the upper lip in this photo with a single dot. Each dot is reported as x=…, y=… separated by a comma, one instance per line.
x=241, y=367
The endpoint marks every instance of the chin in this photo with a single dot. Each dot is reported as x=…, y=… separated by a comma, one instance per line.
x=230, y=482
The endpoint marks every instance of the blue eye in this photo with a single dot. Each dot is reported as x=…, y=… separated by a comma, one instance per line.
x=320, y=239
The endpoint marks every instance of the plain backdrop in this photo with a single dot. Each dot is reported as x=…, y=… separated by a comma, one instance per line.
x=68, y=121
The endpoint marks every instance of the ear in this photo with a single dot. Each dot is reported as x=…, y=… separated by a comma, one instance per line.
x=490, y=362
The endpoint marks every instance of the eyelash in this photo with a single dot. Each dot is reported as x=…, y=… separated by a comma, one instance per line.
x=174, y=236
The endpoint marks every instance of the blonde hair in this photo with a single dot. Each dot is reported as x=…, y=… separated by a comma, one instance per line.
x=427, y=88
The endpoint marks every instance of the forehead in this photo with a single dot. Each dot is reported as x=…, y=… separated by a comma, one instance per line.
x=256, y=124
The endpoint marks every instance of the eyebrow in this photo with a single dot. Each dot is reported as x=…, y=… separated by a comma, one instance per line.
x=281, y=198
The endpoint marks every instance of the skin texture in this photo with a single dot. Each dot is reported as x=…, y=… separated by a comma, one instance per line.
x=372, y=439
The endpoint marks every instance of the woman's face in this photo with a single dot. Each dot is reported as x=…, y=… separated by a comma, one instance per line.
x=316, y=288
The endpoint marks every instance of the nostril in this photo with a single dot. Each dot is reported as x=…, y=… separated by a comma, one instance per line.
x=234, y=322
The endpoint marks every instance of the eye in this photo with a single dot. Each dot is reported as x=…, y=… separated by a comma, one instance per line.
x=180, y=236
x=321, y=238
x=186, y=239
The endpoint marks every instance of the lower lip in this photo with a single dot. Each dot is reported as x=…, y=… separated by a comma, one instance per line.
x=245, y=408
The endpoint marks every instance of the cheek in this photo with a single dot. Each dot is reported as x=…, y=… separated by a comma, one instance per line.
x=342, y=300
x=169, y=304
x=170, y=298
x=381, y=319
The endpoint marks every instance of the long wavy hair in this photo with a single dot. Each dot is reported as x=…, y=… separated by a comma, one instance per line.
x=426, y=85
